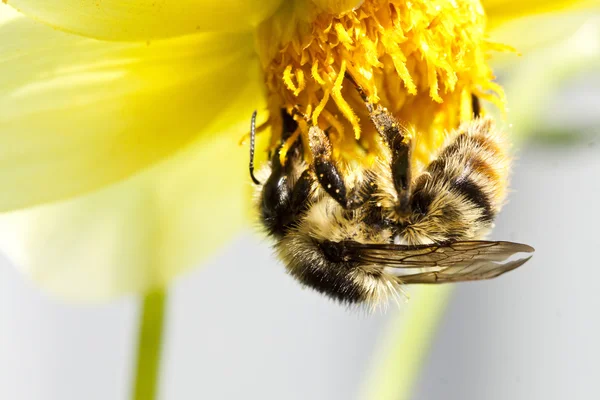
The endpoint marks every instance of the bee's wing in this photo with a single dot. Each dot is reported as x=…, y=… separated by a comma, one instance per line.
x=454, y=262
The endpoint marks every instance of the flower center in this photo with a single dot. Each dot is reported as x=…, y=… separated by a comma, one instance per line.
x=421, y=59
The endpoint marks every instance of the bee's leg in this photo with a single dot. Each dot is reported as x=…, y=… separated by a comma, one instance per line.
x=392, y=134
x=302, y=192
x=283, y=198
x=329, y=176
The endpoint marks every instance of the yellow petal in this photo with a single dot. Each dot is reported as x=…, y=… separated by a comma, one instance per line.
x=532, y=83
x=338, y=6
x=147, y=19
x=78, y=114
x=500, y=11
x=529, y=32
x=141, y=232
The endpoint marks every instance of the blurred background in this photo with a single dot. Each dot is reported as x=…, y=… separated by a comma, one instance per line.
x=239, y=327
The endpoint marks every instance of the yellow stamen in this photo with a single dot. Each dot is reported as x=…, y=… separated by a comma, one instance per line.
x=334, y=122
x=421, y=59
x=343, y=106
x=343, y=36
x=286, y=146
x=319, y=108
x=315, y=73
x=301, y=82
x=399, y=60
x=287, y=79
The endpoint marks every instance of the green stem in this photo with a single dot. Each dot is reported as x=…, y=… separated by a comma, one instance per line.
x=405, y=348
x=149, y=345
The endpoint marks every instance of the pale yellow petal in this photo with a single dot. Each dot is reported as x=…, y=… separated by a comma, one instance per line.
x=141, y=232
x=540, y=75
x=338, y=6
x=501, y=11
x=147, y=19
x=529, y=32
x=77, y=114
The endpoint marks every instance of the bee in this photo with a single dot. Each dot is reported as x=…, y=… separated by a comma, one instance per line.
x=356, y=233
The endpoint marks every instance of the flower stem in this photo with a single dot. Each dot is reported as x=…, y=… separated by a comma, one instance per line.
x=149, y=345
x=406, y=346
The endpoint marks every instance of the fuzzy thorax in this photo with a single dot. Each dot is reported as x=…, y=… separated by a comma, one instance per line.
x=421, y=59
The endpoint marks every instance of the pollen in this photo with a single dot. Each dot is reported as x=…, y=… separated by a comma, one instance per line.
x=423, y=60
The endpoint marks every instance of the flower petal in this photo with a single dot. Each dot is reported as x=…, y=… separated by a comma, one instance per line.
x=338, y=6
x=141, y=232
x=529, y=32
x=78, y=114
x=501, y=11
x=147, y=19
x=532, y=83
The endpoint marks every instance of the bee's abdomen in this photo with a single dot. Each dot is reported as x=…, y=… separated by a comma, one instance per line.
x=475, y=164
x=330, y=281
x=322, y=267
x=475, y=193
x=465, y=187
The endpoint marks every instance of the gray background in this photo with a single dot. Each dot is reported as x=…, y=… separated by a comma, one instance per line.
x=240, y=328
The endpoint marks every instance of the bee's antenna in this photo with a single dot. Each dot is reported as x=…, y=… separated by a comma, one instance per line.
x=252, y=142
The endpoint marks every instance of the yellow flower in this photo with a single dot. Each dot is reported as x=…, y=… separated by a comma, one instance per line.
x=121, y=157
x=422, y=59
x=119, y=122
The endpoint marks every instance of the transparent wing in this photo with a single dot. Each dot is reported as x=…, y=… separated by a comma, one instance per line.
x=453, y=262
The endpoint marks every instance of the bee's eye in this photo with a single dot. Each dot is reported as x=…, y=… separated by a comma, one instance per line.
x=420, y=202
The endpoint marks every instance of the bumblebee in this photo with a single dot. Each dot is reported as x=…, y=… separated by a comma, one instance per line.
x=356, y=233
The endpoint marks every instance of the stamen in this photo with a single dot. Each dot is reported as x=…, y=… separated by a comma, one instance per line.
x=315, y=73
x=494, y=94
x=319, y=108
x=333, y=121
x=501, y=47
x=399, y=60
x=303, y=127
x=344, y=107
x=343, y=36
x=433, y=85
x=420, y=60
x=285, y=147
x=287, y=79
x=301, y=82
